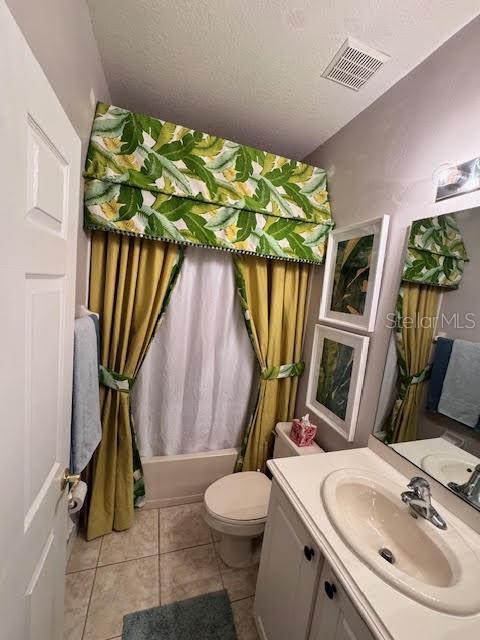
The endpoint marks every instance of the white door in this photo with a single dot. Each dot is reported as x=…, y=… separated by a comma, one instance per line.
x=335, y=617
x=288, y=574
x=40, y=156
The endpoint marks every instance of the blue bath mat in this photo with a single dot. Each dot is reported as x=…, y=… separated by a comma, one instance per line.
x=206, y=617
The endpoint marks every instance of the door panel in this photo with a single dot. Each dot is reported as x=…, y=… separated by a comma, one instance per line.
x=345, y=631
x=287, y=579
x=41, y=591
x=335, y=617
x=44, y=304
x=40, y=171
x=45, y=167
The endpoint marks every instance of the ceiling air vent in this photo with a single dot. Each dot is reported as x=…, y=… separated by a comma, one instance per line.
x=354, y=64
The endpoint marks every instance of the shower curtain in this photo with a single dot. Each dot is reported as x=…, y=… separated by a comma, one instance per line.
x=194, y=390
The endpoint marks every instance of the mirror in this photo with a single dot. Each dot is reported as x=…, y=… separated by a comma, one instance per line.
x=429, y=408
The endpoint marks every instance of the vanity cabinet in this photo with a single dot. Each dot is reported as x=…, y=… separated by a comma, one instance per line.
x=297, y=595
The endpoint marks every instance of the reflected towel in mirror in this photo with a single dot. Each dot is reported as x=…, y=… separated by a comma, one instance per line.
x=443, y=351
x=460, y=398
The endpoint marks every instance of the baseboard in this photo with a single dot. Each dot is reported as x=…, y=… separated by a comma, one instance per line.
x=172, y=502
x=259, y=626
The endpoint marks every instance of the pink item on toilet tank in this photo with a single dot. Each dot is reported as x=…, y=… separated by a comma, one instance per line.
x=303, y=431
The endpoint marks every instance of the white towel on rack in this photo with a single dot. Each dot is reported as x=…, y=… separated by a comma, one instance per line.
x=86, y=424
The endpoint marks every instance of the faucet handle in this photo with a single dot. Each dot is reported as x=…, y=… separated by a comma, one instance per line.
x=420, y=487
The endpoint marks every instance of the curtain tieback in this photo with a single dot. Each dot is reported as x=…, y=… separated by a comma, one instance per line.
x=116, y=381
x=416, y=378
x=283, y=371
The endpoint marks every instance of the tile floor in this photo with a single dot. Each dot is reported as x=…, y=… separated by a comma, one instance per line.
x=169, y=554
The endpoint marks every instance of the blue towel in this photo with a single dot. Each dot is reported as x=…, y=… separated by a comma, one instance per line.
x=86, y=424
x=460, y=398
x=443, y=350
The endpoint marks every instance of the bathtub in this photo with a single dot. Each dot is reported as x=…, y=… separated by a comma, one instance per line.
x=171, y=480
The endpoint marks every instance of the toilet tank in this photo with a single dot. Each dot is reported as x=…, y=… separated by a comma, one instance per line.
x=284, y=447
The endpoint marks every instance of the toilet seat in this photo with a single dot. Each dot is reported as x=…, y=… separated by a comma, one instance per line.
x=239, y=498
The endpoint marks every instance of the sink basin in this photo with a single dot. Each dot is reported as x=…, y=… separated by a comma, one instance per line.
x=434, y=567
x=447, y=468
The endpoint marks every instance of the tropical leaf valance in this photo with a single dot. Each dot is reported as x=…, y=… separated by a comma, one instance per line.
x=436, y=254
x=155, y=179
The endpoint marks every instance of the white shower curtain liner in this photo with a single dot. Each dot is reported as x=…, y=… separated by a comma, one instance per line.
x=193, y=392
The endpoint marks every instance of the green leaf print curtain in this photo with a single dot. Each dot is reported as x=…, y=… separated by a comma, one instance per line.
x=155, y=179
x=435, y=259
x=436, y=254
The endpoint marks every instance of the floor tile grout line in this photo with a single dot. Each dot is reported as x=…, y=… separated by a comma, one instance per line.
x=100, y=549
x=193, y=546
x=111, y=564
x=174, y=506
x=219, y=557
x=108, y=564
x=243, y=598
x=217, y=560
x=73, y=573
x=158, y=563
x=216, y=556
x=88, y=605
x=93, y=586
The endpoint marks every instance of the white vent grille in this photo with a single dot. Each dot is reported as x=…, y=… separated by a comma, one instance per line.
x=354, y=64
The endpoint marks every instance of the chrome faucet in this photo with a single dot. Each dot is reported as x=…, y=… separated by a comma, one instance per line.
x=419, y=499
x=470, y=490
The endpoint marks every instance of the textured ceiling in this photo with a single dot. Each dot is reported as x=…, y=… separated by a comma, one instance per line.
x=250, y=70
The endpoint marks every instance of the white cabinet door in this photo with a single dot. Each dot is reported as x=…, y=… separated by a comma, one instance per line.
x=335, y=617
x=40, y=177
x=288, y=574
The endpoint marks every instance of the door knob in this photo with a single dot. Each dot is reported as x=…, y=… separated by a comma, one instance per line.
x=69, y=479
x=308, y=552
x=330, y=589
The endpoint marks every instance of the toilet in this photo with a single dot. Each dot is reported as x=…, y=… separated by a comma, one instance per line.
x=236, y=505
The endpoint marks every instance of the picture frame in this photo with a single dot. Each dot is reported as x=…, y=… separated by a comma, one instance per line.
x=334, y=392
x=353, y=274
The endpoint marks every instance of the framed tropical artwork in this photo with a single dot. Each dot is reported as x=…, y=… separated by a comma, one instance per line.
x=336, y=378
x=353, y=274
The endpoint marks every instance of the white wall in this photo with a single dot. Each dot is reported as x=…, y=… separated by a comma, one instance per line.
x=466, y=299
x=60, y=34
x=382, y=163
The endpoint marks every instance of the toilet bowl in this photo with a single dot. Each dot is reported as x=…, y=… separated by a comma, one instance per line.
x=236, y=505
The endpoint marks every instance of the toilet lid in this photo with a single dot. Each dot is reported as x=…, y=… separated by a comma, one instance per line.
x=239, y=496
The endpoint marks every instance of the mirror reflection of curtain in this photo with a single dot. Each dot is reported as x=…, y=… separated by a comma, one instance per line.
x=435, y=260
x=193, y=391
x=414, y=342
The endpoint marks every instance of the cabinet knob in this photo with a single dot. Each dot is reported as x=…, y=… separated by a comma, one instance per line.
x=330, y=589
x=308, y=552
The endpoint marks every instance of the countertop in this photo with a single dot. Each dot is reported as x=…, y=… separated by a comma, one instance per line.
x=417, y=450
x=390, y=614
